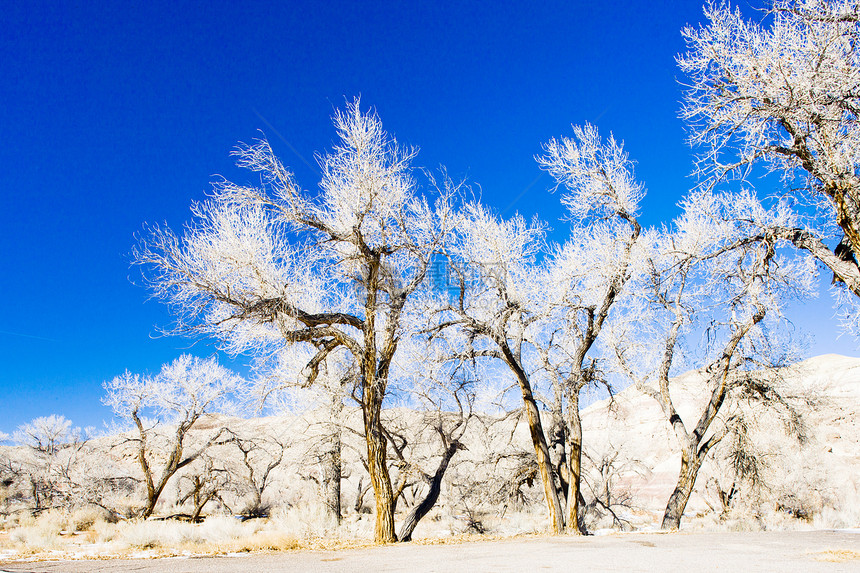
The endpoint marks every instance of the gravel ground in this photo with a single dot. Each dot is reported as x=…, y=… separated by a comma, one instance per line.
x=808, y=551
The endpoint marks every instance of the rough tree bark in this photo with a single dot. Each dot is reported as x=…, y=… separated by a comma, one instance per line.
x=426, y=504
x=379, y=477
x=332, y=474
x=690, y=464
x=575, y=519
x=538, y=437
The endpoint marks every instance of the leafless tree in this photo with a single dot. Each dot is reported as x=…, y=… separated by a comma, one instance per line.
x=607, y=497
x=334, y=271
x=490, y=267
x=708, y=274
x=178, y=397
x=783, y=91
x=762, y=411
x=203, y=482
x=261, y=455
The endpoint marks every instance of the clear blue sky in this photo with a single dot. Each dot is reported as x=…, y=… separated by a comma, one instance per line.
x=115, y=114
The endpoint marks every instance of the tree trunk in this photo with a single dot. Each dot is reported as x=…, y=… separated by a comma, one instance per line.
x=690, y=464
x=557, y=443
x=556, y=513
x=380, y=480
x=432, y=497
x=37, y=498
x=553, y=502
x=575, y=521
x=256, y=507
x=152, y=496
x=332, y=464
x=198, y=509
x=359, y=496
x=373, y=383
x=847, y=211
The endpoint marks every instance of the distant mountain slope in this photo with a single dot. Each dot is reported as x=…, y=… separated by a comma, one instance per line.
x=814, y=477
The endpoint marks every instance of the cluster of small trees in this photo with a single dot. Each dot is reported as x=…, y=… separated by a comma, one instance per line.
x=58, y=467
x=339, y=291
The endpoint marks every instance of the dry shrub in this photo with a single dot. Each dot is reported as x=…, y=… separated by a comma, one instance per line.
x=41, y=533
x=305, y=521
x=86, y=518
x=138, y=534
x=845, y=517
x=262, y=541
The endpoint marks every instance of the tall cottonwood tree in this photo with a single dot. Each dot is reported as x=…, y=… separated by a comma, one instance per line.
x=783, y=91
x=333, y=270
x=709, y=278
x=539, y=310
x=495, y=303
x=587, y=278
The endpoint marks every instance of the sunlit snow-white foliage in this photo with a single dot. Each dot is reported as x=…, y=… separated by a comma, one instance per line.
x=270, y=268
x=598, y=176
x=47, y=434
x=365, y=291
x=538, y=310
x=782, y=91
x=779, y=86
x=847, y=310
x=183, y=391
x=176, y=399
x=714, y=269
x=256, y=262
x=713, y=298
x=53, y=464
x=502, y=255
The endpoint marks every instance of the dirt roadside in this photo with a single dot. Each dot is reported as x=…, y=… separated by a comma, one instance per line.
x=808, y=551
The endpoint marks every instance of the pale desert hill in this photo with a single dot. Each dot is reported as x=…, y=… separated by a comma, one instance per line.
x=817, y=479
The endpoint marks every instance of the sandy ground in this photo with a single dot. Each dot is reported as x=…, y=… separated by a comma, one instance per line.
x=809, y=551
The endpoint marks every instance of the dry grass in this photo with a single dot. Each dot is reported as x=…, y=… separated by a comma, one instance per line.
x=837, y=555
x=87, y=535
x=55, y=535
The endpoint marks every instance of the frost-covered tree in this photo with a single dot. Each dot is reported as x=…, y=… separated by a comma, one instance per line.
x=494, y=304
x=47, y=434
x=783, y=91
x=272, y=265
x=714, y=286
x=587, y=278
x=163, y=409
x=539, y=310
x=52, y=449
